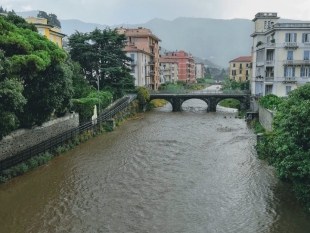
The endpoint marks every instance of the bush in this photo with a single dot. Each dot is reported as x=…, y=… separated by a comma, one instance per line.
x=270, y=101
x=157, y=103
x=230, y=103
x=143, y=96
x=85, y=107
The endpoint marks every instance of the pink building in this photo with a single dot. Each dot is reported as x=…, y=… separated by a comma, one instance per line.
x=143, y=39
x=186, y=65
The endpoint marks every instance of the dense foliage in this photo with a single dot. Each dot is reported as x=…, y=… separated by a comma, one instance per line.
x=231, y=84
x=287, y=147
x=143, y=96
x=270, y=101
x=101, y=56
x=35, y=79
x=51, y=18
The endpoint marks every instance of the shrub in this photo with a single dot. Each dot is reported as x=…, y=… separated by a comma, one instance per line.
x=85, y=107
x=143, y=96
x=270, y=101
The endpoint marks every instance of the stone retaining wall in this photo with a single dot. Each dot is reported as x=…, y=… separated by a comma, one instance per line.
x=265, y=118
x=24, y=138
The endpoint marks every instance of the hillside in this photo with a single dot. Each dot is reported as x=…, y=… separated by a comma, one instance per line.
x=216, y=40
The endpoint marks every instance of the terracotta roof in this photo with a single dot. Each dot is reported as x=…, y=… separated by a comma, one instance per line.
x=164, y=59
x=134, y=49
x=242, y=59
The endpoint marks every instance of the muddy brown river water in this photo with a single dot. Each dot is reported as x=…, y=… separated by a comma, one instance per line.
x=188, y=171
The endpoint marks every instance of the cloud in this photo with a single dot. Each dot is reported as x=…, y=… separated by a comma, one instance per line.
x=27, y=8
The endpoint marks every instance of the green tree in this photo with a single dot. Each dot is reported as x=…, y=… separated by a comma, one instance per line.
x=143, y=96
x=80, y=85
x=101, y=56
x=39, y=65
x=288, y=146
x=11, y=98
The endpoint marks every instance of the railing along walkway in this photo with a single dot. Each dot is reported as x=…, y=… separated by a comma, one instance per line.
x=53, y=143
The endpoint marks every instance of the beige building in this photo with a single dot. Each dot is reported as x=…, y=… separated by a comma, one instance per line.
x=140, y=65
x=240, y=68
x=143, y=39
x=199, y=70
x=53, y=33
x=169, y=70
x=281, y=53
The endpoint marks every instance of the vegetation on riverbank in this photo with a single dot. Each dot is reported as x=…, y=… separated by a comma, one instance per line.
x=230, y=103
x=287, y=147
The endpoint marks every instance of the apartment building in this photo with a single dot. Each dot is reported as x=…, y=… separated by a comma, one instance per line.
x=144, y=40
x=281, y=54
x=199, y=70
x=53, y=33
x=240, y=68
x=169, y=70
x=186, y=65
x=140, y=65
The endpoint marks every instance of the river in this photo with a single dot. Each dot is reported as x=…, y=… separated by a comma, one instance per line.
x=188, y=171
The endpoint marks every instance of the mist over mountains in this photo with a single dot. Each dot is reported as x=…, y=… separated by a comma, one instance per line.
x=215, y=40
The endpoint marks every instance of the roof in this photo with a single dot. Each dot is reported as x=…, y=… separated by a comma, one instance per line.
x=164, y=59
x=134, y=49
x=242, y=59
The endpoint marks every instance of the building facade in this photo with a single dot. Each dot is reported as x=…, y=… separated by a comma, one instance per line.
x=186, y=65
x=199, y=70
x=143, y=39
x=53, y=33
x=140, y=65
x=240, y=69
x=281, y=53
x=169, y=70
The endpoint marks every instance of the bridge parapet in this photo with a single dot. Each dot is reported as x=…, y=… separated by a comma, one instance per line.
x=212, y=98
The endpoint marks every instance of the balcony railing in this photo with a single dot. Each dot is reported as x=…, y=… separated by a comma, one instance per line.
x=151, y=62
x=269, y=79
x=152, y=72
x=291, y=45
x=270, y=63
x=289, y=80
x=307, y=44
x=133, y=63
x=296, y=62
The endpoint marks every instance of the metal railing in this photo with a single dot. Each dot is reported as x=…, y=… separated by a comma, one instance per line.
x=52, y=144
x=199, y=92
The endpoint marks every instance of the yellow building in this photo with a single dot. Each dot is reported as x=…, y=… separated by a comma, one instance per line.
x=53, y=33
x=240, y=68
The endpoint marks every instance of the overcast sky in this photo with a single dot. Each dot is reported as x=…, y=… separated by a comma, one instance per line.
x=113, y=12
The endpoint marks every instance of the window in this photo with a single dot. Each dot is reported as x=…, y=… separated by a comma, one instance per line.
x=234, y=65
x=288, y=89
x=51, y=38
x=239, y=79
x=268, y=89
x=240, y=66
x=304, y=72
x=132, y=56
x=289, y=55
x=240, y=71
x=305, y=37
x=233, y=72
x=269, y=55
x=290, y=37
x=57, y=40
x=246, y=72
x=289, y=71
x=306, y=54
x=247, y=65
x=133, y=70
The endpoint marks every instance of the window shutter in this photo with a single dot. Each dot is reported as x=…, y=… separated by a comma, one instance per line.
x=293, y=72
x=303, y=37
x=302, y=71
x=295, y=37
x=285, y=69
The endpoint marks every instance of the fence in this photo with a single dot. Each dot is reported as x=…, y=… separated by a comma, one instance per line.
x=53, y=143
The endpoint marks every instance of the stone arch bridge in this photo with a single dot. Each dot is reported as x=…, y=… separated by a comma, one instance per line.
x=212, y=99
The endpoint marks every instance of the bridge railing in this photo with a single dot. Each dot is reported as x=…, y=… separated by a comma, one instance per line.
x=204, y=91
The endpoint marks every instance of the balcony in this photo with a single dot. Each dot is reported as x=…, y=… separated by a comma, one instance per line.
x=152, y=72
x=296, y=62
x=291, y=45
x=259, y=78
x=269, y=79
x=133, y=63
x=151, y=62
x=307, y=44
x=289, y=80
x=269, y=63
x=152, y=43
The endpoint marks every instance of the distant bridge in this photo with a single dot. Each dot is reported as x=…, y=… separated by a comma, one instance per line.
x=212, y=98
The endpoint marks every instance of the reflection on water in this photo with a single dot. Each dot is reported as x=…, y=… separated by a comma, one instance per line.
x=187, y=171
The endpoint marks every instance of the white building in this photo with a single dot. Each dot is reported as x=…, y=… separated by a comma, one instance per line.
x=140, y=65
x=199, y=70
x=168, y=70
x=280, y=55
